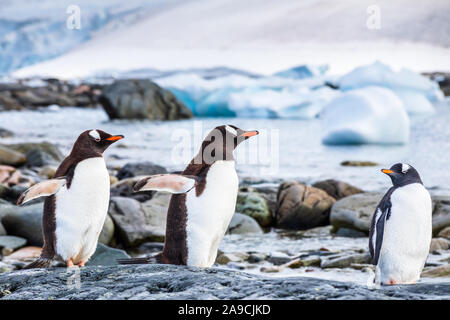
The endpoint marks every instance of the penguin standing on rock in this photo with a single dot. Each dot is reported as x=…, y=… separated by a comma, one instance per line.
x=76, y=203
x=203, y=201
x=400, y=233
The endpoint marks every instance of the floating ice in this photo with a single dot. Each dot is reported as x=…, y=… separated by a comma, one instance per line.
x=366, y=115
x=416, y=91
x=303, y=71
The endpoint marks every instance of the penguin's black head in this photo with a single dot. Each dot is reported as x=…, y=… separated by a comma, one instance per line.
x=402, y=174
x=96, y=141
x=221, y=141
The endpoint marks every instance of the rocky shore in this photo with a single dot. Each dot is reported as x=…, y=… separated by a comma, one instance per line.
x=179, y=282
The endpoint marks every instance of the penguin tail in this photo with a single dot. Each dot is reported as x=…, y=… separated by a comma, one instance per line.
x=145, y=260
x=39, y=263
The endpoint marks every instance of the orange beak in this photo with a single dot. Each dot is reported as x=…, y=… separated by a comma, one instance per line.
x=115, y=138
x=249, y=133
x=387, y=171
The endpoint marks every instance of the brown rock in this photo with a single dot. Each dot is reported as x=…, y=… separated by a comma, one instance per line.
x=337, y=189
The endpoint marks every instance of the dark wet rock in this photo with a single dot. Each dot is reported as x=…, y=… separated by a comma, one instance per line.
x=345, y=261
x=279, y=258
x=349, y=233
x=124, y=188
x=141, y=99
x=140, y=169
x=11, y=157
x=137, y=222
x=255, y=206
x=5, y=133
x=302, y=207
x=106, y=256
x=10, y=194
x=242, y=224
x=337, y=189
x=180, y=282
x=353, y=163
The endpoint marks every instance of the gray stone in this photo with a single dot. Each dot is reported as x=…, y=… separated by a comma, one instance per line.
x=107, y=233
x=141, y=99
x=12, y=242
x=124, y=188
x=349, y=233
x=39, y=154
x=279, y=258
x=158, y=282
x=337, y=189
x=438, y=244
x=255, y=206
x=441, y=213
x=106, y=256
x=346, y=261
x=243, y=224
x=10, y=157
x=137, y=223
x=140, y=169
x=300, y=207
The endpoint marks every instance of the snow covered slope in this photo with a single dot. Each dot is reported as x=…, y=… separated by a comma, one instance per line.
x=264, y=36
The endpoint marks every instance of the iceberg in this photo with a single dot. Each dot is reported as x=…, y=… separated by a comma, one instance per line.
x=303, y=71
x=417, y=92
x=363, y=116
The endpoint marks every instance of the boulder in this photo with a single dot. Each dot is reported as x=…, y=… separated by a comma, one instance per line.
x=161, y=282
x=438, y=244
x=441, y=213
x=224, y=258
x=106, y=256
x=355, y=212
x=26, y=254
x=10, y=157
x=39, y=154
x=8, y=244
x=137, y=223
x=445, y=233
x=141, y=99
x=255, y=206
x=5, y=133
x=107, y=233
x=337, y=189
x=140, y=169
x=243, y=224
x=302, y=207
x=124, y=188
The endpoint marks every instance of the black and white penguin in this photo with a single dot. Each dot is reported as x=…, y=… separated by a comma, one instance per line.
x=76, y=203
x=400, y=233
x=203, y=201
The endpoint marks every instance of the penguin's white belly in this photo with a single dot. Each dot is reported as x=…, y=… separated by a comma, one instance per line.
x=81, y=210
x=407, y=235
x=209, y=215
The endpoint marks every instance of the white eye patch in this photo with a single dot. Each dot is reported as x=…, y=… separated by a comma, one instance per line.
x=94, y=134
x=405, y=167
x=231, y=130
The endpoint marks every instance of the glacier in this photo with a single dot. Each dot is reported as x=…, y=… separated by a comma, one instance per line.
x=416, y=91
x=366, y=115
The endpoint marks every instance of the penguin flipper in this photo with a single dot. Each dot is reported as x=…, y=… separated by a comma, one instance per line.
x=43, y=189
x=173, y=183
x=377, y=233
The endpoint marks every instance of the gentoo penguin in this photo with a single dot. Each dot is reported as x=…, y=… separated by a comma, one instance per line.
x=400, y=233
x=203, y=201
x=76, y=203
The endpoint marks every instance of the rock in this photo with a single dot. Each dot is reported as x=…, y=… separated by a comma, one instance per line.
x=441, y=213
x=294, y=264
x=107, y=233
x=4, y=133
x=436, y=272
x=141, y=99
x=346, y=261
x=255, y=206
x=302, y=207
x=355, y=212
x=224, y=258
x=438, y=244
x=11, y=243
x=243, y=224
x=269, y=193
x=39, y=154
x=352, y=163
x=11, y=157
x=312, y=262
x=25, y=222
x=279, y=258
x=137, y=223
x=140, y=169
x=124, y=188
x=337, y=189
x=106, y=256
x=48, y=171
x=26, y=254
x=4, y=267
x=159, y=281
x=9, y=194
x=113, y=180
x=349, y=233
x=445, y=233
x=257, y=257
